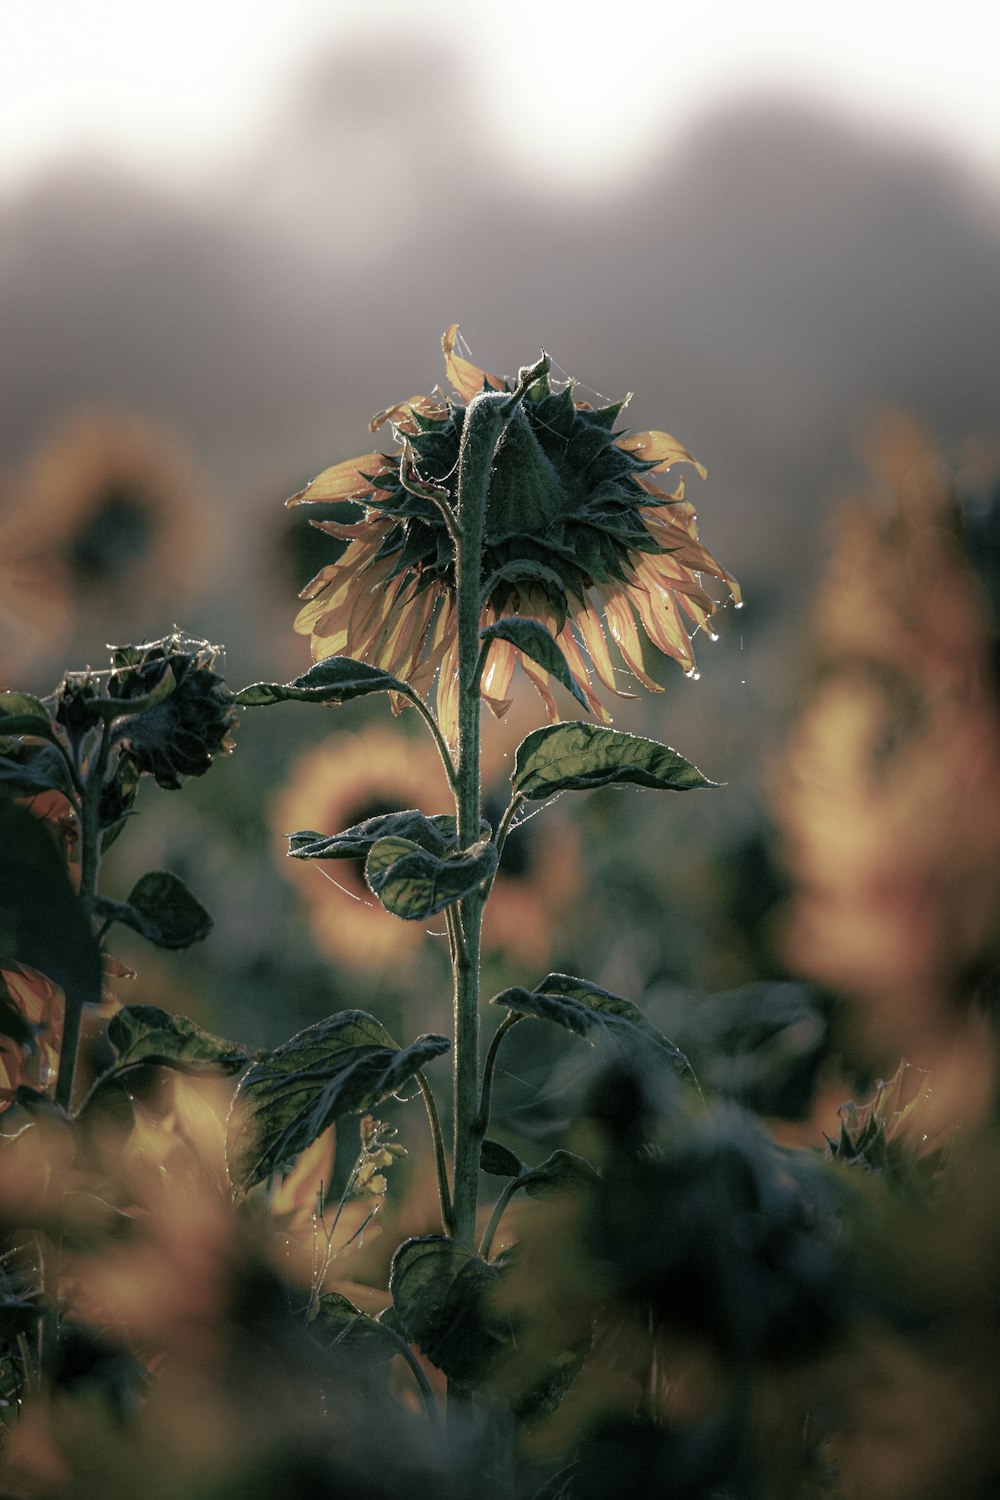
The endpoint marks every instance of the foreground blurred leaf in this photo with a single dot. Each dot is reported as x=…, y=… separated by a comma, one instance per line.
x=42, y=923
x=336, y=680
x=21, y=713
x=161, y=909
x=416, y=885
x=342, y=1065
x=440, y=1292
x=577, y=756
x=563, y=1169
x=590, y=1011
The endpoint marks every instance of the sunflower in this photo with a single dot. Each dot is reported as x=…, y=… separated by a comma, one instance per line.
x=334, y=786
x=890, y=793
x=104, y=520
x=577, y=527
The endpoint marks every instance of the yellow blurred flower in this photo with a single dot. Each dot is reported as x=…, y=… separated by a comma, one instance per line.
x=333, y=787
x=105, y=519
x=576, y=526
x=890, y=797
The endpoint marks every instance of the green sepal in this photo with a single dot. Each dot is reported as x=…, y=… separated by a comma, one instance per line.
x=592, y=1012
x=161, y=909
x=498, y=1161
x=437, y=835
x=336, y=680
x=42, y=923
x=414, y=884
x=441, y=1294
x=578, y=756
x=343, y=1065
x=106, y=710
x=146, y=1034
x=531, y=637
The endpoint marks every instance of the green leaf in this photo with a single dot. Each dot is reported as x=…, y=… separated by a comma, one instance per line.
x=560, y=1170
x=109, y=709
x=22, y=713
x=30, y=767
x=335, y=680
x=531, y=637
x=162, y=909
x=576, y=757
x=591, y=1012
x=498, y=1161
x=146, y=1034
x=340, y=1325
x=437, y=835
x=42, y=923
x=343, y=1065
x=415, y=884
x=441, y=1293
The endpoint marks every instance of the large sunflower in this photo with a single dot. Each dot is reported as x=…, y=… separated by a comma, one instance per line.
x=576, y=527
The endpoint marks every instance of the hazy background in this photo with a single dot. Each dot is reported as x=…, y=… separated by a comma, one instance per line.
x=252, y=230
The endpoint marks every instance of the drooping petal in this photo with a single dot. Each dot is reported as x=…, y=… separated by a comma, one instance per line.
x=566, y=641
x=621, y=622
x=589, y=623
x=344, y=481
x=402, y=414
x=660, y=618
x=659, y=448
x=467, y=378
x=497, y=677
x=447, y=693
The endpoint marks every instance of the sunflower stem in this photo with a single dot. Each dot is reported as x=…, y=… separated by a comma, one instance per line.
x=486, y=417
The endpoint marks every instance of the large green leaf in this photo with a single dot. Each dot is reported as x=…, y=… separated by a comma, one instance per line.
x=592, y=1012
x=531, y=637
x=436, y=835
x=577, y=756
x=563, y=1169
x=498, y=1160
x=440, y=1292
x=412, y=883
x=29, y=767
x=343, y=1065
x=335, y=680
x=42, y=923
x=162, y=909
x=146, y=1034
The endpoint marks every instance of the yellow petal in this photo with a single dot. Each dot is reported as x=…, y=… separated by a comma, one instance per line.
x=447, y=693
x=344, y=481
x=497, y=676
x=660, y=448
x=589, y=623
x=467, y=378
x=402, y=414
x=621, y=622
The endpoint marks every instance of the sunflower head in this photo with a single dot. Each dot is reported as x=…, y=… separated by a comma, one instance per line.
x=576, y=527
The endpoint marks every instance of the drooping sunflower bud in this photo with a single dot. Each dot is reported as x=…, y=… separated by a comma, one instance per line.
x=188, y=723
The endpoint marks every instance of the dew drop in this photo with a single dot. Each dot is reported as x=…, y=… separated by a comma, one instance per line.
x=693, y=674
x=738, y=604
x=713, y=635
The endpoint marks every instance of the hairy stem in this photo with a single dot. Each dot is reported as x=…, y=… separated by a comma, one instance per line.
x=486, y=418
x=498, y=1212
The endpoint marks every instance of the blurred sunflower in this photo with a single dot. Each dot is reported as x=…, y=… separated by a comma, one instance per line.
x=890, y=794
x=576, y=524
x=106, y=520
x=335, y=786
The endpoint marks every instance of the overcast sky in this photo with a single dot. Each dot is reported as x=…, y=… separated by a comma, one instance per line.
x=575, y=89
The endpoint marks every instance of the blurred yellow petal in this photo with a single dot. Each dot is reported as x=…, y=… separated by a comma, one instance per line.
x=467, y=378
x=344, y=481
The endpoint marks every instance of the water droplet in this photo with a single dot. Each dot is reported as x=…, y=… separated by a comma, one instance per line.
x=738, y=604
x=693, y=674
x=713, y=635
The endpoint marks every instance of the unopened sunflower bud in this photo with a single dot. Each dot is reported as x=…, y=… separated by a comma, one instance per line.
x=178, y=736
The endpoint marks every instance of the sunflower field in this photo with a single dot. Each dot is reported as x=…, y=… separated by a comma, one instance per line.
x=419, y=1103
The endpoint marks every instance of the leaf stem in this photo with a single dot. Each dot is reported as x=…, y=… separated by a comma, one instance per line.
x=498, y=1212
x=440, y=1158
x=509, y=1021
x=439, y=740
